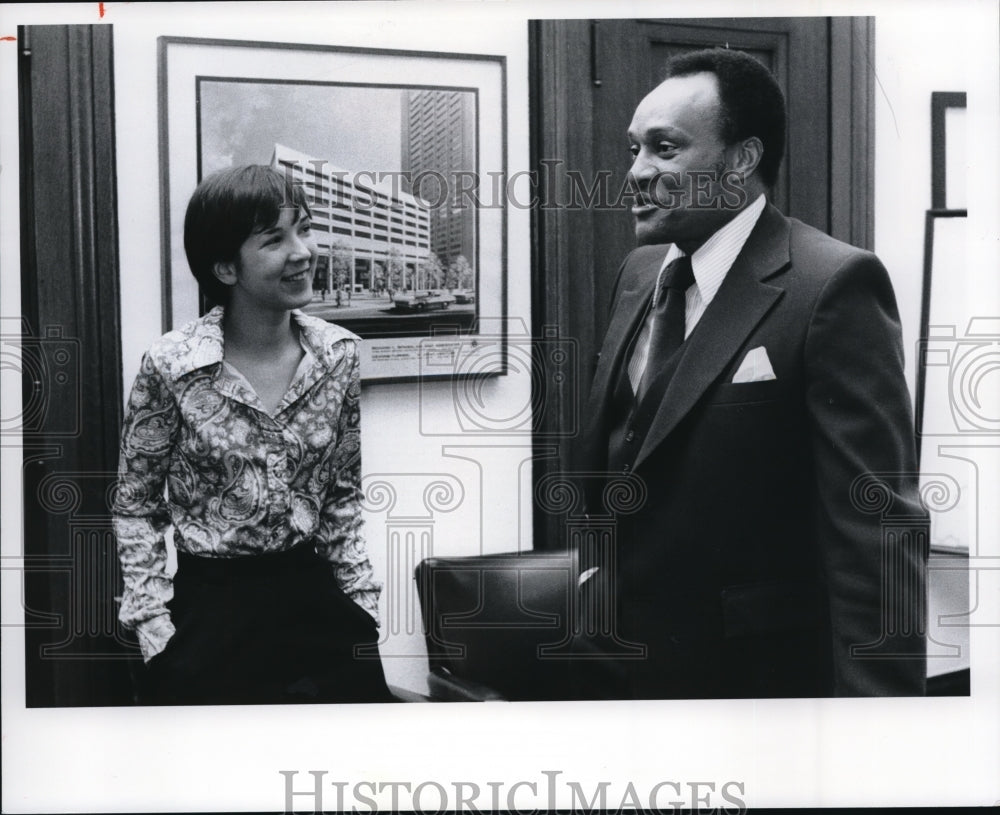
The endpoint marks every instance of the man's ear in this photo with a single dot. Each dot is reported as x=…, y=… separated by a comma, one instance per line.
x=746, y=156
x=225, y=272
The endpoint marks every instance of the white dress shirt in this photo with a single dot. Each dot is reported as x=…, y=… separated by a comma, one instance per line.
x=710, y=263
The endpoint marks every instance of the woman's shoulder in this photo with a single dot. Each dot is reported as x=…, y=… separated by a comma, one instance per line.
x=193, y=345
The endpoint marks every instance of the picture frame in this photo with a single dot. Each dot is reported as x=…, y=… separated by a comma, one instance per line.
x=948, y=154
x=944, y=247
x=402, y=155
x=947, y=404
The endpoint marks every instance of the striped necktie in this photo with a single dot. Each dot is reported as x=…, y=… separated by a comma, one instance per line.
x=668, y=322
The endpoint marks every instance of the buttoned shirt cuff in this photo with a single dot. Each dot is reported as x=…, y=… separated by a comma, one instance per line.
x=153, y=635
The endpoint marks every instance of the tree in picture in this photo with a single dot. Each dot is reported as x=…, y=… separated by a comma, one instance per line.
x=340, y=268
x=381, y=282
x=461, y=273
x=396, y=269
x=432, y=271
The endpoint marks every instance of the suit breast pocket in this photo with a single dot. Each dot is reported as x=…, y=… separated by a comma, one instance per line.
x=744, y=393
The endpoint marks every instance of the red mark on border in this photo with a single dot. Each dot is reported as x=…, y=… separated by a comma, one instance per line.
x=8, y=39
x=100, y=9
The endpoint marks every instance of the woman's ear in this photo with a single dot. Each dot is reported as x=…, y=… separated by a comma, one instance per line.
x=225, y=272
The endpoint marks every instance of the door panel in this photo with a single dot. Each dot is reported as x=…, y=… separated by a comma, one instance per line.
x=75, y=652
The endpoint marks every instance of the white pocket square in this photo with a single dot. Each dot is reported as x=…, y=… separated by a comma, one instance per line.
x=756, y=367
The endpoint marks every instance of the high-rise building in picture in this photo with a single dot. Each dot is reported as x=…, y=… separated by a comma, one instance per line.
x=369, y=221
x=439, y=144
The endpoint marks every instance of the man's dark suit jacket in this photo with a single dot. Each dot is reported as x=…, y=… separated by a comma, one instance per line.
x=781, y=546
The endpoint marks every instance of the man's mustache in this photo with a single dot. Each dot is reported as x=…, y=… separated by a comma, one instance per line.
x=713, y=188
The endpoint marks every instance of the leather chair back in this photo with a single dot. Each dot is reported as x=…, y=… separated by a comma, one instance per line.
x=496, y=624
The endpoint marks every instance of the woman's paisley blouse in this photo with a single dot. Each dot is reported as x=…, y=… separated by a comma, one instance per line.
x=238, y=480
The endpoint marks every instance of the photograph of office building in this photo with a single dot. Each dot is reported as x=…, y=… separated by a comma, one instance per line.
x=371, y=235
x=439, y=131
x=397, y=246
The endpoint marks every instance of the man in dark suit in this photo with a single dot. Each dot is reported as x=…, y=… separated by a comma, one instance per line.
x=750, y=388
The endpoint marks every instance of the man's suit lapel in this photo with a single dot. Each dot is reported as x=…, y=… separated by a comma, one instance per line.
x=740, y=304
x=625, y=318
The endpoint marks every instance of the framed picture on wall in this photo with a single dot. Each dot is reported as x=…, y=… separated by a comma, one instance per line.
x=953, y=356
x=402, y=156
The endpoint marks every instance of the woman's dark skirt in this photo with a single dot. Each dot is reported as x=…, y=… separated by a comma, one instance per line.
x=264, y=629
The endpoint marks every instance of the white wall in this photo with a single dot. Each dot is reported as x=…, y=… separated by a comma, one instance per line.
x=925, y=50
x=395, y=446
x=916, y=54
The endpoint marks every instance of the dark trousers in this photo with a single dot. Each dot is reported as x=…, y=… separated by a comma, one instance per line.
x=264, y=629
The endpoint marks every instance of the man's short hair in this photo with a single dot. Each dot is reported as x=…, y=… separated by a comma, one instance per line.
x=225, y=209
x=751, y=100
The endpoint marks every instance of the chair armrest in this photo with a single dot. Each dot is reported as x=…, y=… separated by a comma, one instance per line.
x=446, y=687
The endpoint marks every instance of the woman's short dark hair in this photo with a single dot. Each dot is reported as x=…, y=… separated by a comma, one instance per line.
x=225, y=209
x=751, y=99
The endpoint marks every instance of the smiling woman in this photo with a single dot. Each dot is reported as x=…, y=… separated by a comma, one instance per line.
x=249, y=417
x=274, y=268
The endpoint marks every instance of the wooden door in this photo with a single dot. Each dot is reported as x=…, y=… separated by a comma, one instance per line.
x=588, y=78
x=75, y=651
